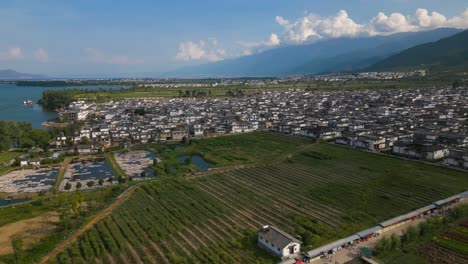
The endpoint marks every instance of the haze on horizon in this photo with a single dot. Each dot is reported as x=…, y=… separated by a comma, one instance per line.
x=73, y=38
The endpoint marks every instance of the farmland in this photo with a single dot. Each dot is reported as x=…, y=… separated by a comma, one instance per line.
x=322, y=192
x=438, y=240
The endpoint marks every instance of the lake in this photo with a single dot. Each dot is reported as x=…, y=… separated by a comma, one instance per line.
x=12, y=107
x=8, y=202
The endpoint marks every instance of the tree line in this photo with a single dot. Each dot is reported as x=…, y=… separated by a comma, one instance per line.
x=194, y=93
x=21, y=134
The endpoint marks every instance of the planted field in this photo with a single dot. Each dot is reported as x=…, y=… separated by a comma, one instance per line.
x=321, y=193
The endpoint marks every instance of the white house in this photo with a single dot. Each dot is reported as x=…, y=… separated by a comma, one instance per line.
x=278, y=242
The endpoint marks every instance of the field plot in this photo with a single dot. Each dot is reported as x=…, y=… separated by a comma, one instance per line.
x=322, y=193
x=136, y=162
x=27, y=181
x=255, y=147
x=29, y=230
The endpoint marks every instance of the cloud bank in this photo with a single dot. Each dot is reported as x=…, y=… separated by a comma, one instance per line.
x=14, y=53
x=313, y=27
x=203, y=50
x=41, y=55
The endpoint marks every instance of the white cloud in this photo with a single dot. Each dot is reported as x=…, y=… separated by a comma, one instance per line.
x=95, y=56
x=13, y=53
x=313, y=27
x=274, y=40
x=203, y=50
x=281, y=21
x=41, y=55
x=253, y=47
x=459, y=21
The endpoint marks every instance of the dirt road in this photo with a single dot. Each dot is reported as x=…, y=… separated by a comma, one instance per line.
x=73, y=237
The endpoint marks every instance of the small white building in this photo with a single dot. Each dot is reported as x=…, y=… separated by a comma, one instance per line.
x=278, y=242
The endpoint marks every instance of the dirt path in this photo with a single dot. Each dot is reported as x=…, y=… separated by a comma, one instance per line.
x=73, y=237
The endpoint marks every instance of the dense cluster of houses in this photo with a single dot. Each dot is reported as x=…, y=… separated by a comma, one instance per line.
x=426, y=123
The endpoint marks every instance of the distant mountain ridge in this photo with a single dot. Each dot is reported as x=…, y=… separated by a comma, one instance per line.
x=14, y=75
x=343, y=54
x=446, y=53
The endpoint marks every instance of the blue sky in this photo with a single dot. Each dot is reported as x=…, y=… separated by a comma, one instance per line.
x=62, y=37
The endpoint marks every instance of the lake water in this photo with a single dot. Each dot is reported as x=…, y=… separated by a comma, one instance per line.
x=12, y=98
x=6, y=202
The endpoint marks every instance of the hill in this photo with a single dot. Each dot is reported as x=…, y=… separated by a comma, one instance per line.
x=324, y=56
x=446, y=53
x=14, y=75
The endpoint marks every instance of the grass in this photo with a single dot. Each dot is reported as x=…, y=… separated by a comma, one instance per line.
x=9, y=155
x=320, y=193
x=110, y=158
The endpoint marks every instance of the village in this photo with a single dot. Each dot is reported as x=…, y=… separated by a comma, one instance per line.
x=426, y=124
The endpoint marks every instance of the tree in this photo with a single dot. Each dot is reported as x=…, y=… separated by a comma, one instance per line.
x=78, y=185
x=90, y=184
x=77, y=199
x=410, y=234
x=382, y=245
x=101, y=182
x=143, y=174
x=85, y=140
x=396, y=242
x=184, y=140
x=40, y=137
x=110, y=180
x=67, y=186
x=17, y=245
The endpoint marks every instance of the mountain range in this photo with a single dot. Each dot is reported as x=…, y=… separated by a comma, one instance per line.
x=14, y=75
x=444, y=54
x=334, y=55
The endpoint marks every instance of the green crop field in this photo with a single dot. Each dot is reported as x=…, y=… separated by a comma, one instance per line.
x=320, y=193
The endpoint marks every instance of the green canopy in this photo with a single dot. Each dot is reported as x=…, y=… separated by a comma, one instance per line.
x=366, y=252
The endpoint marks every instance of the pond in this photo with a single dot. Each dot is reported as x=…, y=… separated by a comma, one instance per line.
x=135, y=162
x=7, y=202
x=89, y=170
x=84, y=171
x=27, y=181
x=202, y=164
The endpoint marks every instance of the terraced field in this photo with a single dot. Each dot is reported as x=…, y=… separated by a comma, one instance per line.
x=320, y=194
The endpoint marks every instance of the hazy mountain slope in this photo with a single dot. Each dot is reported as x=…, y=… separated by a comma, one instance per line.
x=14, y=75
x=323, y=56
x=450, y=52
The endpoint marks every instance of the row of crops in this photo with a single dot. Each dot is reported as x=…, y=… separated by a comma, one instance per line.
x=455, y=240
x=213, y=219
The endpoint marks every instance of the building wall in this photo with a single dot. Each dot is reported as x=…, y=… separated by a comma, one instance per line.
x=268, y=245
x=297, y=249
